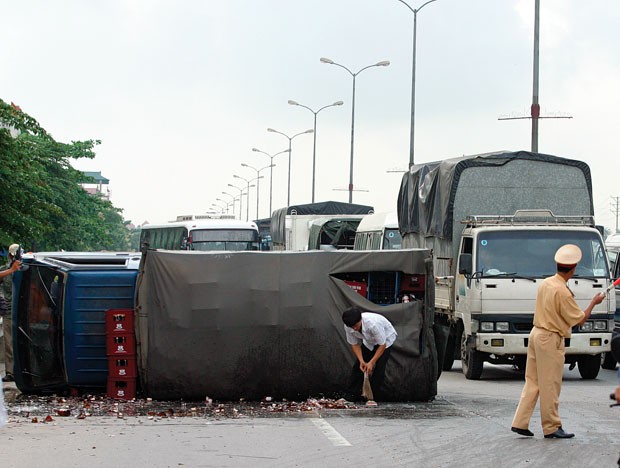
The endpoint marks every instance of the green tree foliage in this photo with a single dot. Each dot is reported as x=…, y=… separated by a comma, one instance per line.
x=42, y=204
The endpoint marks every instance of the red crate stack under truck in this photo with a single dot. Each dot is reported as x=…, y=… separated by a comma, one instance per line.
x=121, y=351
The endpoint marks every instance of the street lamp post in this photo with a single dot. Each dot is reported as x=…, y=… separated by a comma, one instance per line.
x=271, y=165
x=247, y=200
x=240, y=198
x=218, y=206
x=258, y=171
x=233, y=199
x=295, y=103
x=225, y=203
x=383, y=63
x=415, y=27
x=290, y=139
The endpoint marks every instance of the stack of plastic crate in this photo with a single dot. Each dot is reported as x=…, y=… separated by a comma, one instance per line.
x=121, y=351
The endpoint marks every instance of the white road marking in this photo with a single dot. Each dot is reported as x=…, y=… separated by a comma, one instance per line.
x=332, y=434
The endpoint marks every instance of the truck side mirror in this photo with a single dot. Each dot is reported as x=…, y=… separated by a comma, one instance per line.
x=465, y=264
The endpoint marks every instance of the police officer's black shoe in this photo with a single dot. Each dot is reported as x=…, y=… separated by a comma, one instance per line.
x=559, y=434
x=523, y=432
x=8, y=378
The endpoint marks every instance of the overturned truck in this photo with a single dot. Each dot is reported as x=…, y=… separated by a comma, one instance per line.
x=247, y=325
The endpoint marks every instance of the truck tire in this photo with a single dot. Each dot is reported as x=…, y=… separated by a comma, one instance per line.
x=589, y=366
x=520, y=362
x=448, y=359
x=608, y=361
x=472, y=361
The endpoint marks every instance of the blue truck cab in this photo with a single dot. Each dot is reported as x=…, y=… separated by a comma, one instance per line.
x=59, y=304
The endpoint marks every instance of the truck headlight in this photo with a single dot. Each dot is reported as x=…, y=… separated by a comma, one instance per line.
x=600, y=325
x=486, y=326
x=502, y=326
x=587, y=326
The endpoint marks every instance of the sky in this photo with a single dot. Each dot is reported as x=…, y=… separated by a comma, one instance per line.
x=179, y=93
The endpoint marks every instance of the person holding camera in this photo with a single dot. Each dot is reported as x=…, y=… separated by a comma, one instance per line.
x=6, y=295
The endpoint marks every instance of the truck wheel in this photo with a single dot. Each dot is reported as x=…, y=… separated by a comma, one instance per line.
x=448, y=359
x=589, y=366
x=608, y=362
x=472, y=361
x=520, y=362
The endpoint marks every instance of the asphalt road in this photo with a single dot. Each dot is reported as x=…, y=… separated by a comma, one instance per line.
x=468, y=425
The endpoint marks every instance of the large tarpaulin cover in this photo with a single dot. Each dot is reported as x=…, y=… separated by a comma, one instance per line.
x=233, y=325
x=278, y=217
x=426, y=200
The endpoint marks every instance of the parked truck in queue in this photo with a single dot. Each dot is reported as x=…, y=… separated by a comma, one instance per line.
x=494, y=222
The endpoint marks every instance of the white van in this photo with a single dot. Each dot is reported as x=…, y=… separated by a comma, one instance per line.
x=378, y=231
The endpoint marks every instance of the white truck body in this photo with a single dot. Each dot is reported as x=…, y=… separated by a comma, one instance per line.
x=293, y=227
x=298, y=229
x=521, y=207
x=378, y=231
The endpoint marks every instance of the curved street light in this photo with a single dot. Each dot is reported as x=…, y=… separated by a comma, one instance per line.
x=233, y=200
x=290, y=139
x=240, y=198
x=218, y=207
x=295, y=103
x=226, y=203
x=383, y=63
x=415, y=27
x=247, y=200
x=258, y=171
x=271, y=156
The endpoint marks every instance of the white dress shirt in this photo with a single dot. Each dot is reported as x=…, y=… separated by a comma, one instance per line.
x=376, y=330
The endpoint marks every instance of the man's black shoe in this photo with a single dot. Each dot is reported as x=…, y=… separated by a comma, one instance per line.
x=523, y=432
x=559, y=434
x=8, y=378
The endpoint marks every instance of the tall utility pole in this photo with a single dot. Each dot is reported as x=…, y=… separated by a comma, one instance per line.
x=615, y=209
x=535, y=108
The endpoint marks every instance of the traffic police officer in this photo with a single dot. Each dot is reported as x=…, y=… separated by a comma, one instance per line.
x=556, y=313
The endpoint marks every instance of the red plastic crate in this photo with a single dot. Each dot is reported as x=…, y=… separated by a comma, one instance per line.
x=122, y=389
x=121, y=344
x=122, y=367
x=358, y=286
x=119, y=321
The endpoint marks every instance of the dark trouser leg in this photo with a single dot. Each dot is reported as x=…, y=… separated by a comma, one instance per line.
x=356, y=379
x=378, y=374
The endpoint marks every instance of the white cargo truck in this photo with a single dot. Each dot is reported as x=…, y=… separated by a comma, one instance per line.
x=494, y=222
x=316, y=226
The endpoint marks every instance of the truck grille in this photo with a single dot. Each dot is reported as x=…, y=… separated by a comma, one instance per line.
x=523, y=327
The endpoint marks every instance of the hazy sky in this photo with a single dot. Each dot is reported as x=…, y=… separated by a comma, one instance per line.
x=180, y=92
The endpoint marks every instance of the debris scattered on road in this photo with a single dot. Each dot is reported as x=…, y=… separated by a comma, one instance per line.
x=33, y=407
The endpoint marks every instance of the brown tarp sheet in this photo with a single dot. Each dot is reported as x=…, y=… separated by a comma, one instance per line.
x=231, y=325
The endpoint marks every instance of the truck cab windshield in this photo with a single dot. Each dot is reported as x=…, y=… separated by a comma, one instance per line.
x=529, y=254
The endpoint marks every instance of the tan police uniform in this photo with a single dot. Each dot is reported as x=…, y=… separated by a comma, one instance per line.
x=556, y=313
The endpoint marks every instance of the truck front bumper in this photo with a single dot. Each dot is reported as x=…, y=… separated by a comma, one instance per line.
x=579, y=343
